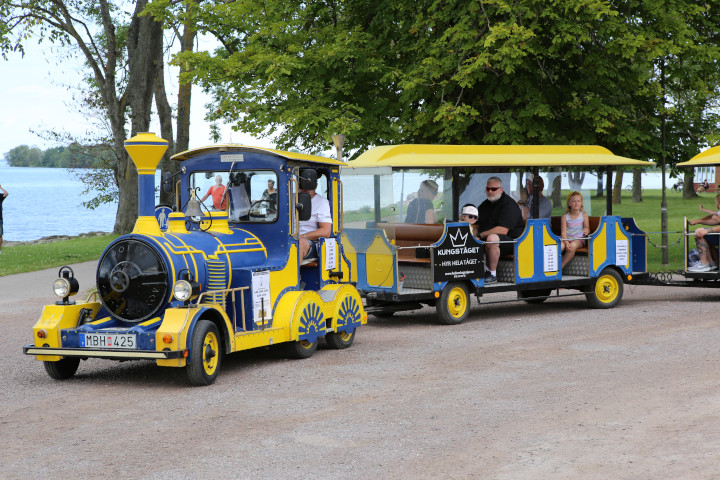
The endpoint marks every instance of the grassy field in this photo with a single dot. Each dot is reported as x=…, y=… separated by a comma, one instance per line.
x=27, y=258
x=31, y=257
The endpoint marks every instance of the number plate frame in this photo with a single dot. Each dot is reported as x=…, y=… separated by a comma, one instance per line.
x=121, y=341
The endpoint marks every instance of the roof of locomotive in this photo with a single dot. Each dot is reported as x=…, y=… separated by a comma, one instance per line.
x=235, y=148
x=427, y=156
x=711, y=156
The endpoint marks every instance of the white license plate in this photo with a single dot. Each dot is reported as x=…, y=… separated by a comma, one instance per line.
x=107, y=340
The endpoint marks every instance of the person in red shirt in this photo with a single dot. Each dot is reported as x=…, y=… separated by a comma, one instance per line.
x=218, y=194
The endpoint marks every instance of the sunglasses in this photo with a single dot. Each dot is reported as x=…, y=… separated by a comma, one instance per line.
x=492, y=189
x=469, y=216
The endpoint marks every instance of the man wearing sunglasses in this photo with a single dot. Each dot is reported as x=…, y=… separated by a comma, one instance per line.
x=499, y=220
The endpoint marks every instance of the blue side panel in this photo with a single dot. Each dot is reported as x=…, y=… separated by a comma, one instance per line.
x=610, y=224
x=361, y=240
x=537, y=228
x=638, y=241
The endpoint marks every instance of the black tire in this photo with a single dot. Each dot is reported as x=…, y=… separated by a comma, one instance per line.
x=453, y=306
x=525, y=294
x=387, y=314
x=339, y=340
x=206, y=354
x=607, y=291
x=301, y=349
x=62, y=369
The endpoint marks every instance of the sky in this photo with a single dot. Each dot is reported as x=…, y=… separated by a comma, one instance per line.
x=35, y=95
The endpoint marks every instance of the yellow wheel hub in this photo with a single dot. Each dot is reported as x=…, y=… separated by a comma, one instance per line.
x=606, y=289
x=457, y=302
x=211, y=347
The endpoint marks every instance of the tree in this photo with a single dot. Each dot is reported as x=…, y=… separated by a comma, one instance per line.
x=123, y=52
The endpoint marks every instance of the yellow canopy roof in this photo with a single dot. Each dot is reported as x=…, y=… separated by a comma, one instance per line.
x=428, y=156
x=711, y=156
x=234, y=148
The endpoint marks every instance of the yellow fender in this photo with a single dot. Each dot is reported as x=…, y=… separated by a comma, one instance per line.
x=344, y=307
x=306, y=312
x=55, y=318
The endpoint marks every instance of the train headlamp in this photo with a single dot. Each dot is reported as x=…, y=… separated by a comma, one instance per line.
x=66, y=285
x=185, y=291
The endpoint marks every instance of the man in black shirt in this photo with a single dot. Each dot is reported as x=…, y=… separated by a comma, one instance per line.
x=499, y=220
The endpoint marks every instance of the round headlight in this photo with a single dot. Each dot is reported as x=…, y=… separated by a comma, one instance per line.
x=182, y=290
x=61, y=287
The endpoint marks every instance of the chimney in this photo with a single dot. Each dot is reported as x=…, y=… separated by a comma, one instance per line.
x=146, y=150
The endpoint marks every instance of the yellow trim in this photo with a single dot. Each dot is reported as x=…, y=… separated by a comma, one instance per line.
x=379, y=264
x=438, y=156
x=55, y=318
x=525, y=263
x=146, y=150
x=282, y=279
x=147, y=226
x=599, y=247
x=351, y=255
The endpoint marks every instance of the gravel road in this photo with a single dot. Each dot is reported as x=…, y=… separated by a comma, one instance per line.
x=518, y=391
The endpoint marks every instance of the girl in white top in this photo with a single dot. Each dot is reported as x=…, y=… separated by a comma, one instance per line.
x=574, y=225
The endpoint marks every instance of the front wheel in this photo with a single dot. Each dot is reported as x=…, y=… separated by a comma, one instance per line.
x=339, y=340
x=301, y=349
x=607, y=291
x=453, y=306
x=62, y=369
x=206, y=353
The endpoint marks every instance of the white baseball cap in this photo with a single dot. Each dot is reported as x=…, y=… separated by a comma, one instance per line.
x=470, y=210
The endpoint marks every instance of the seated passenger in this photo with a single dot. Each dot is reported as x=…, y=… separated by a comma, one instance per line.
x=544, y=203
x=704, y=238
x=574, y=225
x=421, y=208
x=499, y=220
x=469, y=214
x=712, y=217
x=319, y=225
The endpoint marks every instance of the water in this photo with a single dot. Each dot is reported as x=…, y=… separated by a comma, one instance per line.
x=47, y=201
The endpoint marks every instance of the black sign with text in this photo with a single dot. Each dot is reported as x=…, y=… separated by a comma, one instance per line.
x=459, y=256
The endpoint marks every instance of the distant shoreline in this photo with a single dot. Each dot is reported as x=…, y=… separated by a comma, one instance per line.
x=52, y=238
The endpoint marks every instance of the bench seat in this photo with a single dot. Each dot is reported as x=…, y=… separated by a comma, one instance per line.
x=555, y=227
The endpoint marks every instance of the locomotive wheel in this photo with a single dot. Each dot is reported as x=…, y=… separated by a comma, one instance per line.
x=62, y=369
x=524, y=294
x=301, y=349
x=339, y=340
x=453, y=306
x=607, y=291
x=206, y=353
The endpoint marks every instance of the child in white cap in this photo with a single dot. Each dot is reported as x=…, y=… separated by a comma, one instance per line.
x=469, y=214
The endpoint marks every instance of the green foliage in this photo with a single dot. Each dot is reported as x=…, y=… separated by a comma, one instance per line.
x=74, y=156
x=38, y=256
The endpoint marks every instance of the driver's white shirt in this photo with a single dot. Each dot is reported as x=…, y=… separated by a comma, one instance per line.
x=320, y=214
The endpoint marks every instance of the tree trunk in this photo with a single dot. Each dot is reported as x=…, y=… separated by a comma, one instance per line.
x=166, y=131
x=617, y=187
x=637, y=185
x=599, y=192
x=556, y=191
x=688, y=188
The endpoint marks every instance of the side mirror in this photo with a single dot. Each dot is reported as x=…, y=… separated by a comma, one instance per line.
x=308, y=179
x=304, y=206
x=167, y=182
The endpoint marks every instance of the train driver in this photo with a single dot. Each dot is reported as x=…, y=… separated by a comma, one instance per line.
x=319, y=225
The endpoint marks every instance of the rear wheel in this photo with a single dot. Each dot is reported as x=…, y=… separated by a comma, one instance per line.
x=453, y=306
x=527, y=295
x=607, y=291
x=301, y=349
x=206, y=353
x=339, y=340
x=62, y=369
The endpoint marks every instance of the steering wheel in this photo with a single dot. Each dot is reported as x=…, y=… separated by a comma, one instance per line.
x=256, y=206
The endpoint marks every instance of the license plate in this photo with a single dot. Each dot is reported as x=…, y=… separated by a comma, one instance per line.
x=107, y=340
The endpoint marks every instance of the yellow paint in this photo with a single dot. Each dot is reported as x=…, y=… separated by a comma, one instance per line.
x=147, y=226
x=549, y=240
x=262, y=338
x=146, y=150
x=339, y=294
x=526, y=249
x=351, y=255
x=379, y=264
x=621, y=235
x=175, y=322
x=282, y=279
x=55, y=318
x=219, y=223
x=599, y=247
x=289, y=311
x=176, y=223
x=337, y=208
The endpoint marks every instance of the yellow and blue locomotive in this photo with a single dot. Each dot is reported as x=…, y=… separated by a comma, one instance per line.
x=189, y=285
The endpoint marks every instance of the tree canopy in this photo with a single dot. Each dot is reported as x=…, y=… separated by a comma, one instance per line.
x=470, y=71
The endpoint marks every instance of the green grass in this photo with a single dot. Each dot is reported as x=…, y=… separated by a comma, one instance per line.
x=39, y=256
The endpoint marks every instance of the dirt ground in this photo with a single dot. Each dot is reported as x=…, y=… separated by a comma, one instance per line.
x=518, y=391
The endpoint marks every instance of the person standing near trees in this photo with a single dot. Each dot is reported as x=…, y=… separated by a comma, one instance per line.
x=3, y=196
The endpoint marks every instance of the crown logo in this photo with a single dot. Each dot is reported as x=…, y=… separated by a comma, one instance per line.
x=458, y=240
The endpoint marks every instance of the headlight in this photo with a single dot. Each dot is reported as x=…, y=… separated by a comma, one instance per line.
x=184, y=290
x=61, y=287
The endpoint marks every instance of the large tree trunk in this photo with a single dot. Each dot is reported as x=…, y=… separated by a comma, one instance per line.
x=617, y=187
x=637, y=185
x=688, y=188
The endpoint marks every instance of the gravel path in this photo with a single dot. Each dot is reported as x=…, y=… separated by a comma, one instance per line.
x=518, y=391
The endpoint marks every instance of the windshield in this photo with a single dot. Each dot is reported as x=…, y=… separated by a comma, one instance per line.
x=247, y=195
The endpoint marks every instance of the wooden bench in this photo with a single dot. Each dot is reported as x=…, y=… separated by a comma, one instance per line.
x=555, y=227
x=413, y=235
